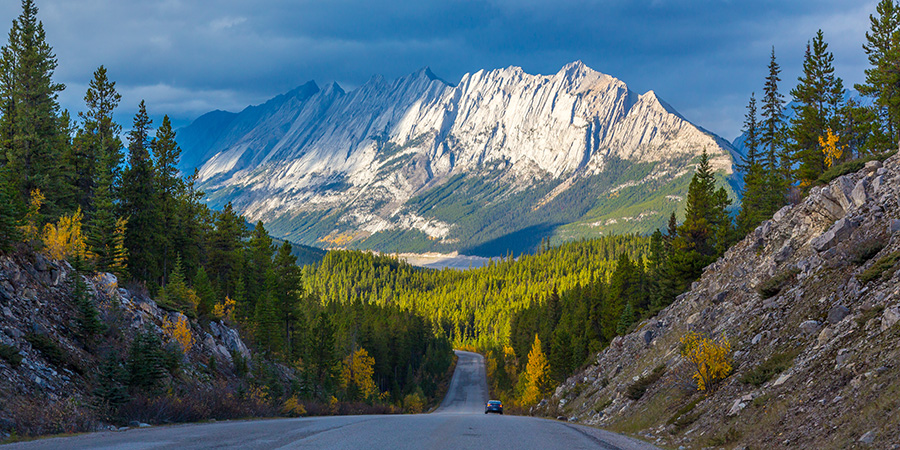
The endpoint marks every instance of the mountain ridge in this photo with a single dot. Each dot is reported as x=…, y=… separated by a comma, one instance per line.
x=364, y=155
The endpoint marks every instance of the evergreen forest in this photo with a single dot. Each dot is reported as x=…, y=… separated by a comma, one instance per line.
x=537, y=318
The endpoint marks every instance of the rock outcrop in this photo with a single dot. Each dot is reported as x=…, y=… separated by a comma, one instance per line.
x=47, y=362
x=814, y=365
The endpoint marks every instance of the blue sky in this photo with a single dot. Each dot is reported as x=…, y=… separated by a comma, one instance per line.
x=187, y=57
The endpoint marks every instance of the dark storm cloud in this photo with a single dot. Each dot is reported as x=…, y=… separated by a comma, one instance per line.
x=188, y=57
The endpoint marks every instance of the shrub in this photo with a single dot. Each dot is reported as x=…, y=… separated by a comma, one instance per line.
x=851, y=166
x=709, y=359
x=883, y=268
x=639, y=387
x=867, y=251
x=685, y=416
x=774, y=285
x=414, y=403
x=48, y=348
x=11, y=355
x=292, y=407
x=36, y=418
x=775, y=364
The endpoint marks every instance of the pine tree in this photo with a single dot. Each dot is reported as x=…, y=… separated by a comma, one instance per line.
x=771, y=140
x=88, y=319
x=205, y=292
x=31, y=123
x=226, y=243
x=140, y=200
x=288, y=294
x=169, y=187
x=882, y=48
x=818, y=98
x=145, y=366
x=110, y=391
x=10, y=213
x=322, y=360
x=754, y=195
x=561, y=354
x=259, y=261
x=97, y=146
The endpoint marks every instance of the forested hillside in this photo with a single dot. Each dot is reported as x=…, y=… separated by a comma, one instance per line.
x=73, y=191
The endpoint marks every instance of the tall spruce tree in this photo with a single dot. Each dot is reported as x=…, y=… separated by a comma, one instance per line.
x=818, y=97
x=882, y=48
x=97, y=145
x=754, y=195
x=771, y=140
x=139, y=202
x=31, y=122
x=288, y=294
x=169, y=187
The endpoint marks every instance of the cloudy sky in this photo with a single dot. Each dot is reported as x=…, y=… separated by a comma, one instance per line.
x=187, y=57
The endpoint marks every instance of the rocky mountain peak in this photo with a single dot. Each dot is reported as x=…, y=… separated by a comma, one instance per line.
x=386, y=143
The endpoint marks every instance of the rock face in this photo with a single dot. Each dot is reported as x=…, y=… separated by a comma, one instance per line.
x=835, y=328
x=36, y=300
x=370, y=152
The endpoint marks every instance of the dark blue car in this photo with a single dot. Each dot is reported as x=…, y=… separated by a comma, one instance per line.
x=493, y=406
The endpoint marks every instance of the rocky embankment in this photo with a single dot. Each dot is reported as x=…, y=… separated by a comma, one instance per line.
x=810, y=302
x=50, y=373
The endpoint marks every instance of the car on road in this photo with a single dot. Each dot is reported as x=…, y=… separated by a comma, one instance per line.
x=493, y=406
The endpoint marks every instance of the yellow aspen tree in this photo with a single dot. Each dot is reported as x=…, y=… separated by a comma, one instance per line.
x=830, y=148
x=31, y=229
x=537, y=374
x=710, y=360
x=64, y=239
x=180, y=330
x=120, y=253
x=357, y=374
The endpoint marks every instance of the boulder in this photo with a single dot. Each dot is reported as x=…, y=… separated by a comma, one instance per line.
x=873, y=166
x=648, y=337
x=895, y=226
x=890, y=317
x=868, y=438
x=837, y=314
x=781, y=213
x=811, y=326
x=720, y=297
x=859, y=194
x=841, y=190
x=841, y=230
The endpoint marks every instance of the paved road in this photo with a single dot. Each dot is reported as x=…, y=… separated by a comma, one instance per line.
x=459, y=423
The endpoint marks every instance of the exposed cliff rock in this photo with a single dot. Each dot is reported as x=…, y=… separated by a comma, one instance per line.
x=50, y=372
x=810, y=302
x=320, y=165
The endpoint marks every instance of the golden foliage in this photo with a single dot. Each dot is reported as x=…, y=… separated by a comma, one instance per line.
x=120, y=253
x=292, y=407
x=180, y=330
x=64, y=239
x=537, y=374
x=357, y=372
x=224, y=310
x=414, y=403
x=830, y=148
x=710, y=359
x=31, y=228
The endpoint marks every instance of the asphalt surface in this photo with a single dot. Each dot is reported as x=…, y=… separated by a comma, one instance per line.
x=459, y=423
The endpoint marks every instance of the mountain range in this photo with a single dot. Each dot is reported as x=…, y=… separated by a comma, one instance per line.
x=493, y=164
